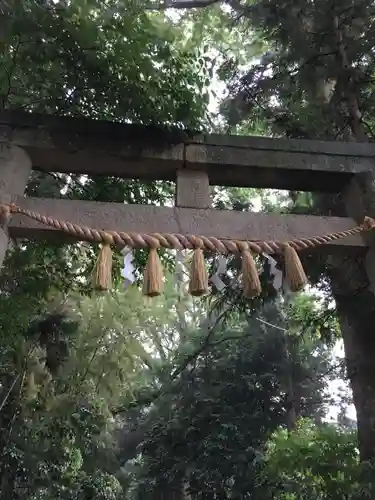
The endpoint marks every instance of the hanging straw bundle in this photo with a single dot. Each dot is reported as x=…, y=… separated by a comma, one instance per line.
x=153, y=283
x=198, y=285
x=103, y=269
x=294, y=273
x=250, y=278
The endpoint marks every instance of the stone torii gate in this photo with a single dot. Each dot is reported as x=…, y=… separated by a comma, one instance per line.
x=82, y=146
x=194, y=161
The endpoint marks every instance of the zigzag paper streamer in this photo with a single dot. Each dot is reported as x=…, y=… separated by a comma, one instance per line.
x=221, y=269
x=127, y=272
x=275, y=272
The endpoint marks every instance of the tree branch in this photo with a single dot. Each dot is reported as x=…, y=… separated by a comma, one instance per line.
x=345, y=81
x=183, y=4
x=202, y=347
x=9, y=73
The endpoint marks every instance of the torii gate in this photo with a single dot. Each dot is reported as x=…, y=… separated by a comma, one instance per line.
x=194, y=161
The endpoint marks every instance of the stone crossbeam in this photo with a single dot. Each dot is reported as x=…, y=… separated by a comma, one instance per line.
x=84, y=146
x=208, y=222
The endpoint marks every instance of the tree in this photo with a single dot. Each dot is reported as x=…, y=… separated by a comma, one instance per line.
x=60, y=396
x=100, y=381
x=207, y=430
x=315, y=81
x=314, y=462
x=106, y=61
x=51, y=439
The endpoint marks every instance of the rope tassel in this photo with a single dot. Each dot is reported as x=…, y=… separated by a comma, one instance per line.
x=198, y=285
x=250, y=279
x=294, y=273
x=103, y=269
x=153, y=284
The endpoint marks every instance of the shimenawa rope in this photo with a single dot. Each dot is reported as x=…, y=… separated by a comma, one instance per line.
x=199, y=279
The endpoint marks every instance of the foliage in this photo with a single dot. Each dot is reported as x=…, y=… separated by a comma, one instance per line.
x=57, y=426
x=318, y=60
x=202, y=398
x=210, y=431
x=52, y=439
x=313, y=462
x=109, y=61
x=105, y=60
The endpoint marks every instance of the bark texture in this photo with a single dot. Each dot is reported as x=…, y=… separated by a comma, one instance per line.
x=356, y=310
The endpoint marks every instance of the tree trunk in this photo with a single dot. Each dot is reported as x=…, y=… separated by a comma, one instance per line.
x=353, y=286
x=352, y=278
x=356, y=310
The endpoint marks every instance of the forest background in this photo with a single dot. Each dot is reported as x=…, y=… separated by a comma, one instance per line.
x=217, y=398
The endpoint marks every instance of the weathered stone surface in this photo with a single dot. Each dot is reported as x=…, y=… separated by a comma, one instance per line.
x=208, y=222
x=356, y=149
x=360, y=201
x=132, y=151
x=15, y=168
x=273, y=169
x=192, y=189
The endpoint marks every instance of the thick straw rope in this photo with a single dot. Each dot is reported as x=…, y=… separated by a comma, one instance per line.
x=179, y=241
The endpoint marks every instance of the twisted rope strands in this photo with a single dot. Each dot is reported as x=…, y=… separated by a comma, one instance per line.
x=153, y=275
x=179, y=241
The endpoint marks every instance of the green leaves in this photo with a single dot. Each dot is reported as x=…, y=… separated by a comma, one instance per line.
x=99, y=59
x=313, y=462
x=105, y=60
x=212, y=426
x=299, y=81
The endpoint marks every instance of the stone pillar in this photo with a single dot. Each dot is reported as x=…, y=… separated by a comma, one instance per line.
x=192, y=189
x=353, y=283
x=15, y=168
x=360, y=202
